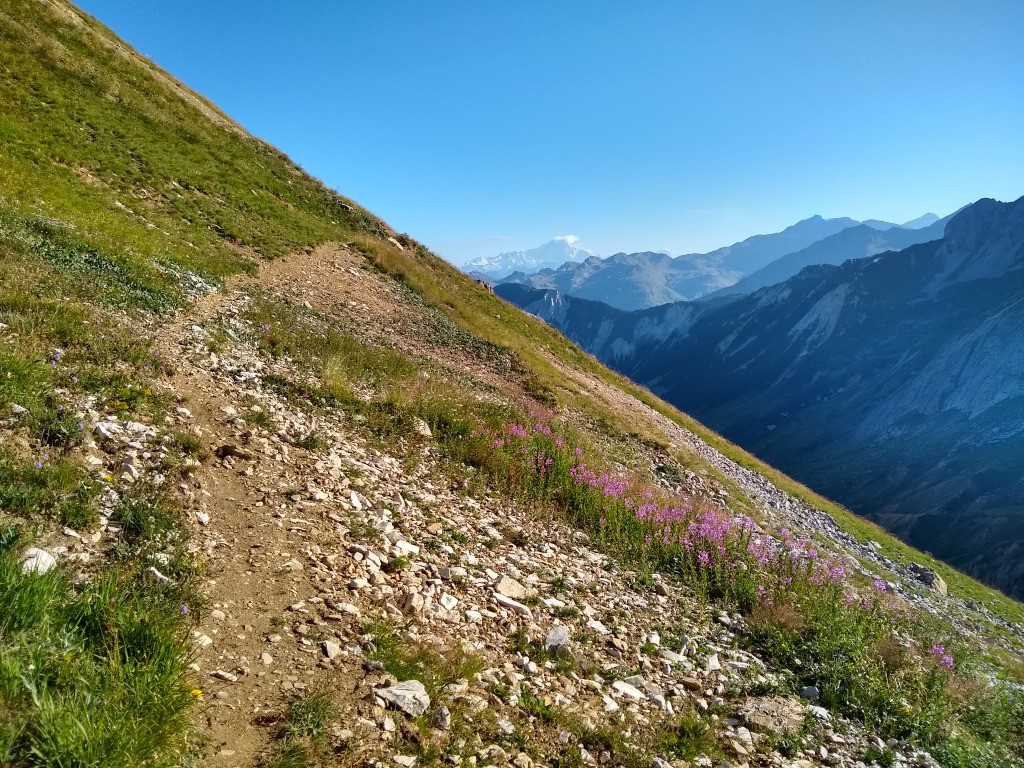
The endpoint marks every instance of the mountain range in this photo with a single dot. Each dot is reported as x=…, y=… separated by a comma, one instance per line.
x=647, y=279
x=893, y=383
x=552, y=254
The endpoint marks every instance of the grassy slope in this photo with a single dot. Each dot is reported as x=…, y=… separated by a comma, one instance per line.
x=113, y=178
x=94, y=136
x=534, y=341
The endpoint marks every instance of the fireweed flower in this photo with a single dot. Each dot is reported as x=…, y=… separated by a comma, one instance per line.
x=836, y=573
x=945, y=659
x=708, y=537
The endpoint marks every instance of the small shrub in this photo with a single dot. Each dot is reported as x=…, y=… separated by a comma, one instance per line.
x=313, y=441
x=310, y=714
x=687, y=737
x=433, y=666
x=537, y=707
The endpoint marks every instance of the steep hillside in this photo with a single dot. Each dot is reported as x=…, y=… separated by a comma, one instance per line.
x=890, y=383
x=280, y=487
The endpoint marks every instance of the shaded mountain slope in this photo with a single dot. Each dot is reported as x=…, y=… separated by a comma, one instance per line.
x=856, y=242
x=892, y=382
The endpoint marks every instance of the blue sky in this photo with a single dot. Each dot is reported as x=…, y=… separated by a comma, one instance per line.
x=480, y=127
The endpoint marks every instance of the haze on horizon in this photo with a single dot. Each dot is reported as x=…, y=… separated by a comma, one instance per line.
x=481, y=128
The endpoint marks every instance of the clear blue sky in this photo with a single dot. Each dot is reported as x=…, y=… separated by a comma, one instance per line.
x=483, y=126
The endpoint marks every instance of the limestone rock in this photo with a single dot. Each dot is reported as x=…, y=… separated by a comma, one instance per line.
x=35, y=560
x=512, y=605
x=330, y=649
x=556, y=639
x=409, y=696
x=510, y=588
x=629, y=691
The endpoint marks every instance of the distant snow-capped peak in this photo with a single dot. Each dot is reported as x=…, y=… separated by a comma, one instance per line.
x=551, y=255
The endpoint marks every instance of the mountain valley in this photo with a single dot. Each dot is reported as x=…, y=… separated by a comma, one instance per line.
x=891, y=383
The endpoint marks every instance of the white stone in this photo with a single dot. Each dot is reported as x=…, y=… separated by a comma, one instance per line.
x=510, y=588
x=35, y=560
x=331, y=650
x=629, y=691
x=448, y=601
x=557, y=637
x=513, y=605
x=409, y=696
x=404, y=548
x=598, y=627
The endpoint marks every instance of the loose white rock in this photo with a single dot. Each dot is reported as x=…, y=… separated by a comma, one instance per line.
x=629, y=691
x=512, y=605
x=35, y=560
x=331, y=650
x=409, y=696
x=557, y=638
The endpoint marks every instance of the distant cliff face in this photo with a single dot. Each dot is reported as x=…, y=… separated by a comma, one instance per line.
x=893, y=383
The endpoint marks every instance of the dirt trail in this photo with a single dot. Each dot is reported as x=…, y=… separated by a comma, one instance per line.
x=245, y=678
x=253, y=654
x=256, y=536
